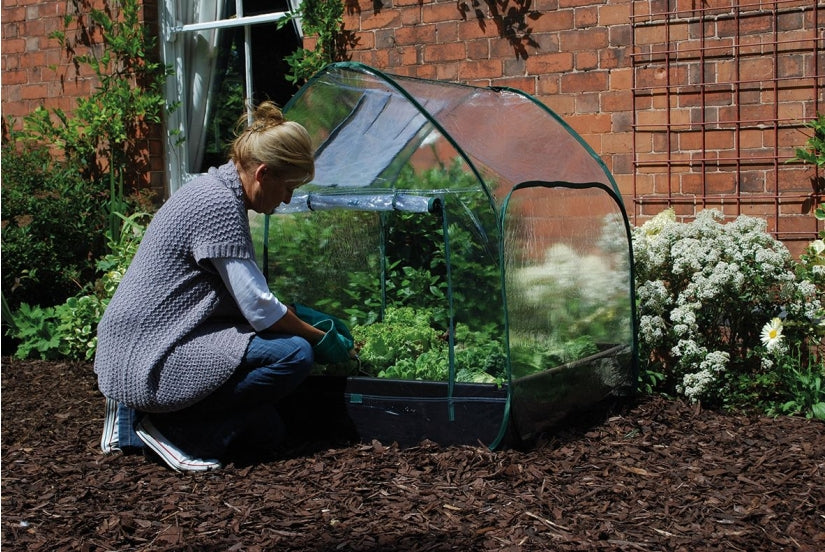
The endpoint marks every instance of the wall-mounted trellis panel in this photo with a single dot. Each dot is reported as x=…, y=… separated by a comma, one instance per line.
x=721, y=93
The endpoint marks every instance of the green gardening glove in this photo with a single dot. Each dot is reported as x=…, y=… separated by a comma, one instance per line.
x=334, y=348
x=313, y=317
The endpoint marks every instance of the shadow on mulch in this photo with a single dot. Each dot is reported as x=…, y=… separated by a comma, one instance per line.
x=655, y=475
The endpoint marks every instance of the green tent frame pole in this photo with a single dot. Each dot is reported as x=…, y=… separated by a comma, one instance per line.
x=382, y=247
x=265, y=251
x=451, y=329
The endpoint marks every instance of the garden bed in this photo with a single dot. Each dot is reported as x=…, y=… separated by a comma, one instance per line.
x=655, y=475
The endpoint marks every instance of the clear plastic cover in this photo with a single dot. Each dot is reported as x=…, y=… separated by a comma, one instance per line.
x=569, y=300
x=470, y=238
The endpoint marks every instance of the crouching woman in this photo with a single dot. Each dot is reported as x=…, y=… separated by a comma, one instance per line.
x=194, y=351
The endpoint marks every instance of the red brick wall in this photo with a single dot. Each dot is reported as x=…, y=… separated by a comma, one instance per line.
x=584, y=59
x=37, y=71
x=28, y=58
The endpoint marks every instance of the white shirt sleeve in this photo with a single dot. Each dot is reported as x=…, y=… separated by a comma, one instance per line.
x=247, y=285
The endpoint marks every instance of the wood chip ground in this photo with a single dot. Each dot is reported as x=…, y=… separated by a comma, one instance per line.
x=654, y=475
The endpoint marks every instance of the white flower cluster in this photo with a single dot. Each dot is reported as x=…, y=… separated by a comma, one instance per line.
x=695, y=384
x=705, y=288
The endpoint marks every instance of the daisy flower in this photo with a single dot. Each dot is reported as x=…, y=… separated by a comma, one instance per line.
x=772, y=334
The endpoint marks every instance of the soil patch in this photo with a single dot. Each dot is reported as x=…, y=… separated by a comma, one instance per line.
x=657, y=474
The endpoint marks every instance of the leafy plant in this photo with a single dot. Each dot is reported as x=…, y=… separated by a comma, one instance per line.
x=69, y=330
x=480, y=356
x=791, y=377
x=403, y=334
x=105, y=137
x=323, y=19
x=407, y=344
x=650, y=381
x=77, y=330
x=52, y=227
x=535, y=355
x=36, y=329
x=803, y=389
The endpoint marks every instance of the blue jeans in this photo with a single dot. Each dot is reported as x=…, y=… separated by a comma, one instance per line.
x=240, y=412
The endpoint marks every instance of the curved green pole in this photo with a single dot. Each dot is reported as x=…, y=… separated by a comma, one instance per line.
x=632, y=291
x=382, y=247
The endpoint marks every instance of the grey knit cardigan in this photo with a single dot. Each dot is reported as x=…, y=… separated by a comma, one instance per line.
x=172, y=333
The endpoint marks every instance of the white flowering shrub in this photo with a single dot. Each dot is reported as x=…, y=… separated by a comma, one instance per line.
x=811, y=266
x=705, y=291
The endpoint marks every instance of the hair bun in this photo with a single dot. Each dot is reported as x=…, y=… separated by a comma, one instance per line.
x=268, y=114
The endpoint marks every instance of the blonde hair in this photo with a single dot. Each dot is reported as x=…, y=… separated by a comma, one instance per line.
x=270, y=139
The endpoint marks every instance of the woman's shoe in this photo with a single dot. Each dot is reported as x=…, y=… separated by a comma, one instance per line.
x=174, y=457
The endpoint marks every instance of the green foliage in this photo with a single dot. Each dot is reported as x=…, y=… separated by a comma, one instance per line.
x=36, y=329
x=52, y=228
x=323, y=19
x=409, y=248
x=105, y=136
x=428, y=366
x=650, y=381
x=54, y=213
x=77, y=330
x=814, y=150
x=403, y=334
x=80, y=315
x=377, y=266
x=229, y=101
x=69, y=330
x=417, y=249
x=794, y=384
x=805, y=389
x=351, y=261
x=407, y=344
x=102, y=132
x=480, y=356
x=531, y=356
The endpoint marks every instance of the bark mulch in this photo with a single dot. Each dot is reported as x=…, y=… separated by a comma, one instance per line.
x=657, y=474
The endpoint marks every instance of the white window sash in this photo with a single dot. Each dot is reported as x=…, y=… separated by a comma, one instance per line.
x=177, y=30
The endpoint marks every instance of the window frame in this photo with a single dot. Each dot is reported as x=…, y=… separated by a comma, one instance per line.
x=173, y=35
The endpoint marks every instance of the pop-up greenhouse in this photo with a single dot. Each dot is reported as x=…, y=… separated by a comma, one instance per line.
x=476, y=247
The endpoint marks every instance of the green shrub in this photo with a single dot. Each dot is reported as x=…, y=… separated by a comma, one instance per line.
x=36, y=330
x=53, y=229
x=69, y=330
x=325, y=21
x=799, y=381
